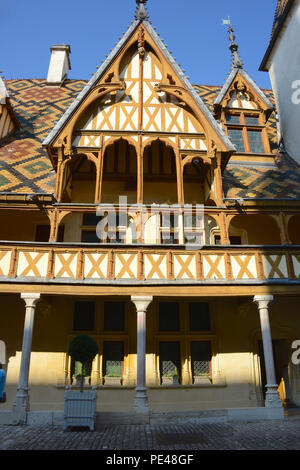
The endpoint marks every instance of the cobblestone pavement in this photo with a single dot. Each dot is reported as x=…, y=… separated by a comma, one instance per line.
x=259, y=435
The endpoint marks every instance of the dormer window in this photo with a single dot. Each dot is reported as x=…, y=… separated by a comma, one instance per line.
x=247, y=133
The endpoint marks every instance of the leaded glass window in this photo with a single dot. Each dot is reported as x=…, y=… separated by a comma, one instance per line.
x=255, y=141
x=201, y=358
x=169, y=355
x=113, y=358
x=236, y=137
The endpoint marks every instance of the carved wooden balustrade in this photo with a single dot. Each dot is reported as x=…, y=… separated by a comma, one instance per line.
x=138, y=264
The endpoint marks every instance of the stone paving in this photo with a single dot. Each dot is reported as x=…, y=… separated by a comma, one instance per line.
x=258, y=435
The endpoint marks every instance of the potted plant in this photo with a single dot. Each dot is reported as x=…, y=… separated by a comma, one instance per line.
x=80, y=406
x=113, y=374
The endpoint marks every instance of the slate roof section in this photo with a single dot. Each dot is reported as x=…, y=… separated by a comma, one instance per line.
x=114, y=53
x=251, y=82
x=25, y=166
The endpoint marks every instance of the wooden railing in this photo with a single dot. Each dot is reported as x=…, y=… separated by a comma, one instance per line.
x=81, y=263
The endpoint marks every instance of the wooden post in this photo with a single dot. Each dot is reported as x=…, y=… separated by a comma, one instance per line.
x=99, y=179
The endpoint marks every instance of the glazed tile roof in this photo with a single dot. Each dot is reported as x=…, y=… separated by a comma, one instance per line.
x=25, y=166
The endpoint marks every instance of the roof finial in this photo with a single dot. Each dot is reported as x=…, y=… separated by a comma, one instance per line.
x=141, y=12
x=236, y=60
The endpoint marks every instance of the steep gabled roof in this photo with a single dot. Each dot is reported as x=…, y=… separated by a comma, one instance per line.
x=114, y=53
x=251, y=82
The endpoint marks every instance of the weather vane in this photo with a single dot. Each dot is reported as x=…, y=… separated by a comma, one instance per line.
x=236, y=60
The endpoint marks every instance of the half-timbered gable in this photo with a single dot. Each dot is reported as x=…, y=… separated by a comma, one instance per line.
x=155, y=216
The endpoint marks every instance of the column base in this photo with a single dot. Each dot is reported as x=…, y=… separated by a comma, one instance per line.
x=272, y=397
x=20, y=408
x=141, y=405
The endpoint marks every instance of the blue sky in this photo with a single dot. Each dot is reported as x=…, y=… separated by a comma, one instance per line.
x=192, y=29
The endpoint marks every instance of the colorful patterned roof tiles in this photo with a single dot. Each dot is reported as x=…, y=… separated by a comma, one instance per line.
x=25, y=166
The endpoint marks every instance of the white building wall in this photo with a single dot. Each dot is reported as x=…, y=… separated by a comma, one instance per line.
x=284, y=70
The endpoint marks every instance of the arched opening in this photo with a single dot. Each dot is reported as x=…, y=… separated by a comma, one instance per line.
x=258, y=229
x=160, y=178
x=195, y=182
x=119, y=173
x=79, y=180
x=294, y=229
x=211, y=231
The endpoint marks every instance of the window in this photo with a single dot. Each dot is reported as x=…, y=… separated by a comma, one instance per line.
x=255, y=141
x=114, y=316
x=114, y=226
x=233, y=118
x=183, y=343
x=169, y=228
x=194, y=229
x=169, y=316
x=199, y=316
x=200, y=358
x=246, y=133
x=84, y=316
x=169, y=354
x=236, y=137
x=113, y=358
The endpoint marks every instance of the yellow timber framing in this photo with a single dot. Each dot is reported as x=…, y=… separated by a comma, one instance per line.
x=62, y=150
x=184, y=291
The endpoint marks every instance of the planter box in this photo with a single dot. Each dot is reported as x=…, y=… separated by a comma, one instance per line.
x=202, y=380
x=77, y=381
x=170, y=380
x=113, y=381
x=79, y=410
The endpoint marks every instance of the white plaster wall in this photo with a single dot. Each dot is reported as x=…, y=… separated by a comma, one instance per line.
x=284, y=71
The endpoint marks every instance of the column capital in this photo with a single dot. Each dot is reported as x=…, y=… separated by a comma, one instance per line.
x=30, y=299
x=263, y=301
x=141, y=302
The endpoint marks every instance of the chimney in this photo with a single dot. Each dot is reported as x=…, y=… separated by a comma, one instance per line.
x=59, y=64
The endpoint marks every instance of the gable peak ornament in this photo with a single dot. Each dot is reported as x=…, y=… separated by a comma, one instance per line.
x=236, y=60
x=141, y=12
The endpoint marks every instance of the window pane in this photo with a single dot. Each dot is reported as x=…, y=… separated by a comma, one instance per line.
x=90, y=219
x=236, y=137
x=235, y=240
x=89, y=236
x=255, y=141
x=169, y=220
x=252, y=121
x=199, y=316
x=232, y=119
x=114, y=316
x=169, y=316
x=217, y=240
x=84, y=316
x=169, y=238
x=169, y=355
x=113, y=352
x=201, y=357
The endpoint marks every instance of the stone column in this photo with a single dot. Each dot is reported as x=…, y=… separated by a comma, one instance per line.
x=272, y=395
x=21, y=401
x=141, y=399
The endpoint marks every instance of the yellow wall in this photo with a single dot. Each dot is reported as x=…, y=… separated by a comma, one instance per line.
x=235, y=364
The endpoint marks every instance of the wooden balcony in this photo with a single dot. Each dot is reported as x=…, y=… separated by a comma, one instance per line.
x=30, y=262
